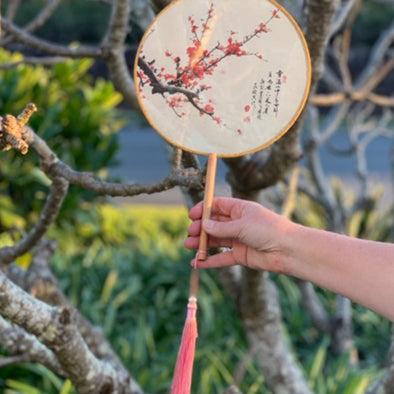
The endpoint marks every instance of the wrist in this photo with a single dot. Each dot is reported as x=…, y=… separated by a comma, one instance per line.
x=292, y=237
x=280, y=237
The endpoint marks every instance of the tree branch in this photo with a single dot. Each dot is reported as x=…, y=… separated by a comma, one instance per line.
x=180, y=177
x=317, y=313
x=56, y=329
x=40, y=282
x=42, y=16
x=142, y=14
x=54, y=167
x=13, y=359
x=12, y=10
x=26, y=347
x=377, y=55
x=341, y=19
x=113, y=52
x=363, y=93
x=160, y=4
x=37, y=22
x=48, y=215
x=48, y=47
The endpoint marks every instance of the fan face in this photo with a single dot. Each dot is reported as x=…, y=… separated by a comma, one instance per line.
x=222, y=76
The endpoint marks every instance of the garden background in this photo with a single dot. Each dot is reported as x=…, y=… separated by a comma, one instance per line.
x=119, y=258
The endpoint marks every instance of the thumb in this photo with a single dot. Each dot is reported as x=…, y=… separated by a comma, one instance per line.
x=229, y=229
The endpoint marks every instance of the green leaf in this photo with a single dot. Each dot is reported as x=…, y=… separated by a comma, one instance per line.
x=20, y=388
x=317, y=365
x=67, y=387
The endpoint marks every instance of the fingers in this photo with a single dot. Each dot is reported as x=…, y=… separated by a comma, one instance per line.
x=225, y=206
x=221, y=206
x=218, y=225
x=195, y=228
x=218, y=260
x=222, y=228
x=221, y=231
x=227, y=229
x=193, y=242
x=196, y=212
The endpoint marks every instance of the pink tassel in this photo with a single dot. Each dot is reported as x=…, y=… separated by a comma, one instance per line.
x=184, y=364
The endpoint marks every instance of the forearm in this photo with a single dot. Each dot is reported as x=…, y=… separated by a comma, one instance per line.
x=359, y=269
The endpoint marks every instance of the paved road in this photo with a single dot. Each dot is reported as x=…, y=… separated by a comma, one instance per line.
x=143, y=158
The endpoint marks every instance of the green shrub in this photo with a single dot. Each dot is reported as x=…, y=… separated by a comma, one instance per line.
x=76, y=116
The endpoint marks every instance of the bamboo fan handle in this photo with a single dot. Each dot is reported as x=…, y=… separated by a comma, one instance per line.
x=208, y=198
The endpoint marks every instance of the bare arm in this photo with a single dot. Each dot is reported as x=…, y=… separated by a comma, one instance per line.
x=359, y=269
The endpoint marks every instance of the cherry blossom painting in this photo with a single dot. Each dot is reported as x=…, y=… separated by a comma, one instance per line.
x=225, y=77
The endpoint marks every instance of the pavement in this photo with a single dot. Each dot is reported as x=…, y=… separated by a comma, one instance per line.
x=142, y=158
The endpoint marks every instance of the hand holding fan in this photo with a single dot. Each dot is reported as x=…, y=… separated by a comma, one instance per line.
x=222, y=78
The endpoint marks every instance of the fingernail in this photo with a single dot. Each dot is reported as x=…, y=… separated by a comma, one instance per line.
x=208, y=224
x=194, y=263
